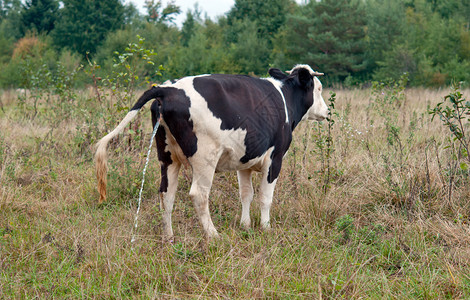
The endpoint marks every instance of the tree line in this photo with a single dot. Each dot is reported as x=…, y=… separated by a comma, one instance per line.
x=352, y=41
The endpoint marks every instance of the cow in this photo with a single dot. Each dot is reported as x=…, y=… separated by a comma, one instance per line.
x=220, y=122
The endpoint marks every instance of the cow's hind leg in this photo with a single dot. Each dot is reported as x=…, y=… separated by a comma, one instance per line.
x=203, y=176
x=170, y=167
x=246, y=196
x=168, y=186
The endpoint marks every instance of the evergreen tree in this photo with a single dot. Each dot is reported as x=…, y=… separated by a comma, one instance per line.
x=384, y=26
x=267, y=15
x=189, y=27
x=7, y=7
x=251, y=52
x=84, y=24
x=337, y=38
x=158, y=14
x=10, y=20
x=39, y=16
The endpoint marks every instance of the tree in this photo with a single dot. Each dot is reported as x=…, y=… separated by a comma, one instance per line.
x=268, y=15
x=10, y=19
x=7, y=7
x=328, y=35
x=190, y=25
x=251, y=52
x=84, y=24
x=158, y=14
x=385, y=24
x=39, y=16
x=338, y=39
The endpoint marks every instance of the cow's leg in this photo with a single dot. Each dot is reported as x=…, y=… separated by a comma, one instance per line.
x=271, y=171
x=266, y=199
x=170, y=167
x=203, y=175
x=168, y=186
x=246, y=196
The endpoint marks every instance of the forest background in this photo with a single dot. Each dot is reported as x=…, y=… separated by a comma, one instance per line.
x=352, y=42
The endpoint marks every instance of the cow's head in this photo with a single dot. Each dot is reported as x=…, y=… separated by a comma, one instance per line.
x=306, y=78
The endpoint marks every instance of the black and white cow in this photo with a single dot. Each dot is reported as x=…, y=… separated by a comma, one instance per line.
x=216, y=123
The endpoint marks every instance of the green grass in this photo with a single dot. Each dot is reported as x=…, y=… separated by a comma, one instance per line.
x=386, y=227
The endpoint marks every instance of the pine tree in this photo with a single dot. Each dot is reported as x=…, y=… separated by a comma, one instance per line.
x=337, y=38
x=39, y=16
x=84, y=24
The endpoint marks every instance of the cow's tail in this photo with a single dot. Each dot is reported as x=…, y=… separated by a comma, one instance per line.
x=101, y=156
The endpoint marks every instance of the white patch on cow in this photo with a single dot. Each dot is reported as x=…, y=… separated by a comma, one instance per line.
x=246, y=196
x=266, y=199
x=312, y=72
x=127, y=119
x=278, y=85
x=167, y=199
x=319, y=110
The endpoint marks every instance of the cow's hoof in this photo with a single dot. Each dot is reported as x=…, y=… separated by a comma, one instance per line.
x=245, y=224
x=266, y=226
x=168, y=240
x=213, y=235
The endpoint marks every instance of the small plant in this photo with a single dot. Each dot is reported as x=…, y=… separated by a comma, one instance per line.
x=455, y=117
x=454, y=111
x=116, y=91
x=126, y=70
x=324, y=144
x=345, y=226
x=37, y=79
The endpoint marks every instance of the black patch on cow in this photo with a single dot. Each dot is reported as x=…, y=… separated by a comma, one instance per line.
x=160, y=138
x=248, y=103
x=148, y=95
x=164, y=180
x=277, y=74
x=175, y=112
x=298, y=92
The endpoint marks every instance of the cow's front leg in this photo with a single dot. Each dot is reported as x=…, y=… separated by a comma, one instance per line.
x=266, y=199
x=168, y=186
x=199, y=192
x=246, y=196
x=268, y=183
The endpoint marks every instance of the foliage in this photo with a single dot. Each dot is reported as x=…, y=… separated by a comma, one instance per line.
x=338, y=42
x=351, y=41
x=83, y=25
x=269, y=16
x=127, y=72
x=157, y=14
x=39, y=16
x=455, y=116
x=325, y=146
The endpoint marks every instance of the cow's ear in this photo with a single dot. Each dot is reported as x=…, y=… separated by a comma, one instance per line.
x=304, y=77
x=277, y=74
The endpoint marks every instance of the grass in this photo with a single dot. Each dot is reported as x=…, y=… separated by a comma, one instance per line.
x=385, y=228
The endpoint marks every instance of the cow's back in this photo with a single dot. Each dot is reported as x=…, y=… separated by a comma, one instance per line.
x=243, y=115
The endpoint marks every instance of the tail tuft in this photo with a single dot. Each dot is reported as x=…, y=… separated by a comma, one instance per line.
x=101, y=159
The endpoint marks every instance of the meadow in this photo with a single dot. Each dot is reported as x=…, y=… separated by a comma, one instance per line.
x=373, y=204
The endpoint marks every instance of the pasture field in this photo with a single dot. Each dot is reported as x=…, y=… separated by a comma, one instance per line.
x=375, y=205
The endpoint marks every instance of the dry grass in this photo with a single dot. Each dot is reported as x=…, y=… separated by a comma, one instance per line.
x=386, y=228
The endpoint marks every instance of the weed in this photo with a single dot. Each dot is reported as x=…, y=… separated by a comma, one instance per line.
x=454, y=116
x=325, y=146
x=344, y=225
